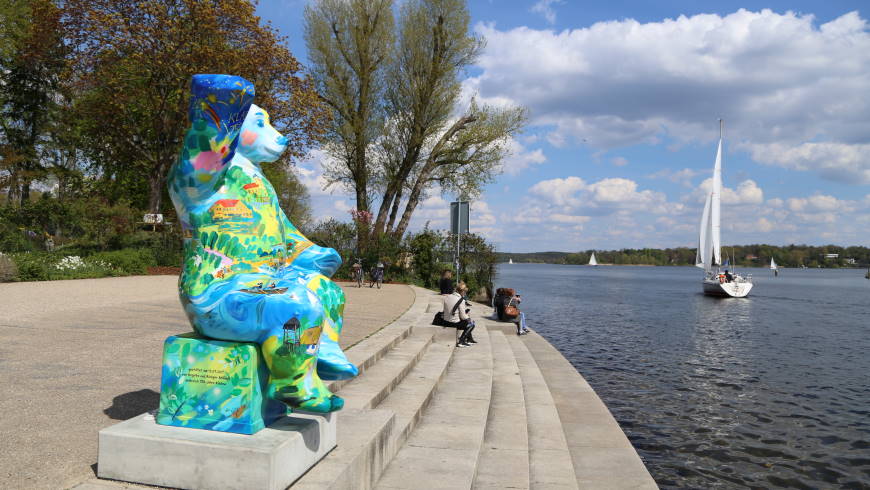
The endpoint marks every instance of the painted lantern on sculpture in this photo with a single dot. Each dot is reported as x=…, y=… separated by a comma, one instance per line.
x=249, y=278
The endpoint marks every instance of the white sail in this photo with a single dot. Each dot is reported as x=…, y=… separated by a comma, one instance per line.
x=702, y=256
x=510, y=261
x=772, y=264
x=716, y=193
x=709, y=247
x=592, y=260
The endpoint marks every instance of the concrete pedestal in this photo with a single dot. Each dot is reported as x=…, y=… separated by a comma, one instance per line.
x=142, y=451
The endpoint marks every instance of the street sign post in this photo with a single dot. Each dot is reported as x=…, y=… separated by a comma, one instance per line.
x=459, y=218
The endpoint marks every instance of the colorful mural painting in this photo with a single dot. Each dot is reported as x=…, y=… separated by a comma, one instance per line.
x=216, y=385
x=248, y=271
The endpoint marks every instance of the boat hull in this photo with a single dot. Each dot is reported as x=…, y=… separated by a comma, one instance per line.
x=727, y=289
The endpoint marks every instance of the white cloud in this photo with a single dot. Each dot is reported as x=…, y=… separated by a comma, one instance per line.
x=519, y=158
x=310, y=173
x=683, y=177
x=604, y=197
x=818, y=203
x=848, y=163
x=561, y=192
x=619, y=161
x=747, y=192
x=777, y=79
x=545, y=8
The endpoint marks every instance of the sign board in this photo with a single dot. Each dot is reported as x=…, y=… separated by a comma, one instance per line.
x=153, y=219
x=459, y=217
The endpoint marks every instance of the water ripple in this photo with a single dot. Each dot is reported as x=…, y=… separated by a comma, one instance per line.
x=767, y=391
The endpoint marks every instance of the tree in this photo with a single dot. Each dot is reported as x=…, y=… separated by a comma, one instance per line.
x=31, y=62
x=397, y=127
x=349, y=43
x=433, y=47
x=133, y=63
x=465, y=156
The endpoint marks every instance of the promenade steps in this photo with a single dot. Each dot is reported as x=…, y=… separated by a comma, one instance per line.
x=504, y=455
x=508, y=412
x=443, y=451
x=400, y=367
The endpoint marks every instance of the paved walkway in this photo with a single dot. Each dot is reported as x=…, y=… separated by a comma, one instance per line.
x=77, y=356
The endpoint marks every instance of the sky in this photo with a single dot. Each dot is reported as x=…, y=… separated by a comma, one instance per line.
x=624, y=100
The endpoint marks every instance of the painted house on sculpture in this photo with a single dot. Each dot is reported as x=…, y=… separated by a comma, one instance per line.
x=230, y=210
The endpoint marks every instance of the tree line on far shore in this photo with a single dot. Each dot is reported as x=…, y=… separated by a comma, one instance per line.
x=757, y=255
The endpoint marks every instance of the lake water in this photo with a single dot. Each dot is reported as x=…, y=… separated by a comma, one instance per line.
x=769, y=390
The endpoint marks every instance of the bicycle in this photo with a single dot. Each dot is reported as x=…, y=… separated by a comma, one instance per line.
x=377, y=275
x=358, y=273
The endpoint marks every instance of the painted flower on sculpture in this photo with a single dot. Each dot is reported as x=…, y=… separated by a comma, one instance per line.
x=208, y=161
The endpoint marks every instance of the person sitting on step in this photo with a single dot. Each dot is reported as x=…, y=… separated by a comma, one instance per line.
x=455, y=314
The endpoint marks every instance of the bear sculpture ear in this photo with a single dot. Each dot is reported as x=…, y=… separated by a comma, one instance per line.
x=220, y=102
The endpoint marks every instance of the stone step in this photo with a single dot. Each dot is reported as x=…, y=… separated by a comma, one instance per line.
x=372, y=386
x=365, y=449
x=367, y=352
x=550, y=463
x=442, y=451
x=602, y=454
x=504, y=456
x=362, y=449
x=413, y=395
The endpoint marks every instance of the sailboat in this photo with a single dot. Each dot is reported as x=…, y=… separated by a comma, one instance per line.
x=510, y=261
x=709, y=255
x=773, y=267
x=592, y=260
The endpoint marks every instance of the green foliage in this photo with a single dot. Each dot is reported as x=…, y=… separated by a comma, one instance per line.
x=426, y=248
x=127, y=261
x=418, y=258
x=133, y=62
x=8, y=269
x=32, y=266
x=45, y=266
x=90, y=220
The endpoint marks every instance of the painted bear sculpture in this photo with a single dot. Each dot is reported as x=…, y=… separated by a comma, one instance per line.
x=249, y=274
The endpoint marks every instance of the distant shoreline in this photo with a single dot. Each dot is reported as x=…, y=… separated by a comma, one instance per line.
x=853, y=267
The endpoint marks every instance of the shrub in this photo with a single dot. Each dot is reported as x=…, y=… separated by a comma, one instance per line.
x=126, y=261
x=8, y=269
x=33, y=266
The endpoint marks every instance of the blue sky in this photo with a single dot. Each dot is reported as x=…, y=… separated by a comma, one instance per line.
x=624, y=100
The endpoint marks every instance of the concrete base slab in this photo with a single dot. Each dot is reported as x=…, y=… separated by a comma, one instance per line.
x=140, y=450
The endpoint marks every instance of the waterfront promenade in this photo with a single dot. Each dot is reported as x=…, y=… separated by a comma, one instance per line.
x=78, y=356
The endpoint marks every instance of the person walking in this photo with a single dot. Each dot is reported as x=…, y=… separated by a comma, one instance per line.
x=455, y=314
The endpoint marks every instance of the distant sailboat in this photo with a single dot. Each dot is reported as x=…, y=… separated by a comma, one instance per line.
x=592, y=260
x=709, y=254
x=773, y=267
x=510, y=261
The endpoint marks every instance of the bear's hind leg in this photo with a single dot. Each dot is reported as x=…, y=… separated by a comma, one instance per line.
x=293, y=377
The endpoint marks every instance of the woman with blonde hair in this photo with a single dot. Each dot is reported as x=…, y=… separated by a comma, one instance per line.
x=455, y=314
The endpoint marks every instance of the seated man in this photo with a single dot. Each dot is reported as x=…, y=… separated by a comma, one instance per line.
x=455, y=314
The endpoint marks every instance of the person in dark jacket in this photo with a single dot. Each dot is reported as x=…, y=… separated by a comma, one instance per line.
x=446, y=282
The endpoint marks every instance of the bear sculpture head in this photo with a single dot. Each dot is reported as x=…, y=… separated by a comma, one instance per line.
x=259, y=142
